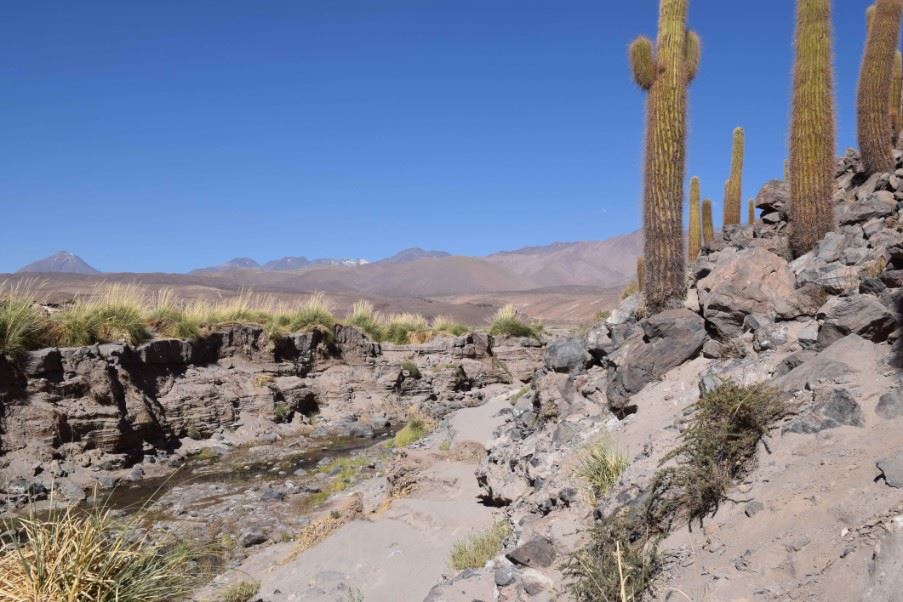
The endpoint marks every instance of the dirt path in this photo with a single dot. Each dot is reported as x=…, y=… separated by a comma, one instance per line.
x=397, y=553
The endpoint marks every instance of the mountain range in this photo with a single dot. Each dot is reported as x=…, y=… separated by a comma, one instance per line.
x=588, y=264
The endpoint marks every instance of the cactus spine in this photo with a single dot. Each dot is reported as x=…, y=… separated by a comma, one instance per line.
x=708, y=228
x=876, y=76
x=812, y=128
x=640, y=271
x=752, y=212
x=665, y=70
x=695, y=237
x=733, y=190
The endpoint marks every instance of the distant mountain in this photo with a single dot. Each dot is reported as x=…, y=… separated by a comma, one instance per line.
x=413, y=254
x=604, y=263
x=62, y=262
x=286, y=264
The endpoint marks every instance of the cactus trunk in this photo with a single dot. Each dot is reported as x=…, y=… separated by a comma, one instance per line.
x=734, y=189
x=695, y=236
x=812, y=128
x=708, y=227
x=896, y=96
x=876, y=138
x=752, y=212
x=665, y=72
x=640, y=271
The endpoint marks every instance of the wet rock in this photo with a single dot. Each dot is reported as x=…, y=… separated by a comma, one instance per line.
x=832, y=408
x=536, y=553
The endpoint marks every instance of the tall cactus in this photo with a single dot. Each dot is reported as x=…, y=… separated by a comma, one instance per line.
x=695, y=237
x=812, y=128
x=876, y=76
x=640, y=271
x=664, y=70
x=752, y=212
x=734, y=187
x=896, y=98
x=708, y=227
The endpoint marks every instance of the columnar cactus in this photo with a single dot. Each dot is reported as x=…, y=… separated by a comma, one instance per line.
x=664, y=70
x=876, y=76
x=812, y=128
x=734, y=188
x=896, y=98
x=752, y=212
x=708, y=227
x=640, y=271
x=695, y=237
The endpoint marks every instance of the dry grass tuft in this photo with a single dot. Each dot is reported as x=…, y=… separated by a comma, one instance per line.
x=475, y=551
x=68, y=556
x=600, y=466
x=509, y=322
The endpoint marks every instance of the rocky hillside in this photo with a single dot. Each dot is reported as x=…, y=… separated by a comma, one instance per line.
x=63, y=262
x=819, y=515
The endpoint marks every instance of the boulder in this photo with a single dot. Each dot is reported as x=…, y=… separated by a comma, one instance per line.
x=890, y=405
x=742, y=283
x=569, y=355
x=666, y=341
x=774, y=197
x=831, y=409
x=536, y=553
x=892, y=470
x=43, y=362
x=858, y=314
x=165, y=351
x=846, y=357
x=876, y=204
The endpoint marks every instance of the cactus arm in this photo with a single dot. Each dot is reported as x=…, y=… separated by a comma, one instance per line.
x=694, y=54
x=642, y=62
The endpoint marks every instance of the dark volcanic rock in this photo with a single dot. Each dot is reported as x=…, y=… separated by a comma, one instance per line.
x=667, y=340
x=833, y=408
x=569, y=355
x=536, y=553
x=858, y=314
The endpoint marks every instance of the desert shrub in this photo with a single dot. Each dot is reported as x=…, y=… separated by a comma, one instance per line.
x=411, y=368
x=23, y=325
x=475, y=551
x=243, y=591
x=600, y=466
x=402, y=329
x=282, y=412
x=508, y=322
x=618, y=564
x=363, y=316
x=70, y=556
x=717, y=449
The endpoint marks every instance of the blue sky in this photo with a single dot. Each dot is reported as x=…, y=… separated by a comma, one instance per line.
x=168, y=135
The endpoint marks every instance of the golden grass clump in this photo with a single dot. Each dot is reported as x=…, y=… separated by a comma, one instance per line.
x=475, y=551
x=600, y=466
x=509, y=322
x=70, y=556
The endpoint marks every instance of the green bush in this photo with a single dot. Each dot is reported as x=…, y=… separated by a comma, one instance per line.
x=415, y=430
x=475, y=551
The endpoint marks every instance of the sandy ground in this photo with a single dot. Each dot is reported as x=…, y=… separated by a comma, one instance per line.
x=400, y=553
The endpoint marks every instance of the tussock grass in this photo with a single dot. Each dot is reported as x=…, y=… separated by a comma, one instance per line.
x=475, y=551
x=716, y=450
x=363, y=316
x=600, y=466
x=68, y=556
x=23, y=325
x=509, y=322
x=243, y=591
x=411, y=368
x=133, y=314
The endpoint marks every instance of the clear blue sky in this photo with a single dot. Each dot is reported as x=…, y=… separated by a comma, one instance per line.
x=166, y=135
